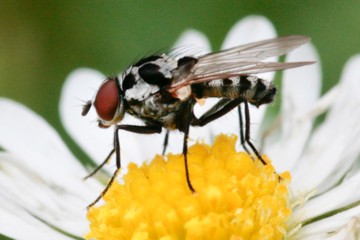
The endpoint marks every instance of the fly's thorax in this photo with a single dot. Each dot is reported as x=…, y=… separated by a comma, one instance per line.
x=147, y=77
x=156, y=73
x=109, y=103
x=145, y=88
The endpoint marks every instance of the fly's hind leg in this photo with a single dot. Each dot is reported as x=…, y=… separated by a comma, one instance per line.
x=242, y=137
x=247, y=132
x=223, y=107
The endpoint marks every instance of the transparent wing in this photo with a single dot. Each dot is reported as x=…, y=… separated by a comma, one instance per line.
x=232, y=70
x=256, y=51
x=243, y=60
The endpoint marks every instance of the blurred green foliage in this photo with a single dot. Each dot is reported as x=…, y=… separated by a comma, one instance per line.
x=41, y=42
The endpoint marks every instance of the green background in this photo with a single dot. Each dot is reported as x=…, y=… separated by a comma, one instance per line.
x=41, y=42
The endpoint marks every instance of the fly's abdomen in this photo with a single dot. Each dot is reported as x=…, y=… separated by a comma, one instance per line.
x=255, y=90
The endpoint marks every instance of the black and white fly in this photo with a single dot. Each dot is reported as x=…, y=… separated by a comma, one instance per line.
x=161, y=91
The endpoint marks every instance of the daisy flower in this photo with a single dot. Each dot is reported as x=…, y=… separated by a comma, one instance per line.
x=43, y=195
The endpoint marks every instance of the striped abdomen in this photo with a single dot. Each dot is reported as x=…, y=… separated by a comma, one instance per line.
x=255, y=90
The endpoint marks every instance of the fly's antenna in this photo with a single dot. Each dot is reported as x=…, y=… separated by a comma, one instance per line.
x=86, y=108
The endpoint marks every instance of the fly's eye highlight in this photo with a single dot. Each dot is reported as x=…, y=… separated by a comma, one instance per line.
x=107, y=100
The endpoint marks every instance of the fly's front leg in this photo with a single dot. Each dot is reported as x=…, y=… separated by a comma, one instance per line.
x=101, y=165
x=149, y=130
x=116, y=149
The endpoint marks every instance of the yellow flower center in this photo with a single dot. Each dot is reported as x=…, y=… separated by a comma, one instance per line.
x=236, y=198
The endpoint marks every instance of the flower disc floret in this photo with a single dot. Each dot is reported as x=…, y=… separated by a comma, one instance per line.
x=236, y=198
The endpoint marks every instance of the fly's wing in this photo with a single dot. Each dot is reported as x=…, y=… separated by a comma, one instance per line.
x=257, y=51
x=243, y=60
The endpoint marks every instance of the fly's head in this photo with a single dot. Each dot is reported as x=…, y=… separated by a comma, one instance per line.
x=264, y=93
x=108, y=103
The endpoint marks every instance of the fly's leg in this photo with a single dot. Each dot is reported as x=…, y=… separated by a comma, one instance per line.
x=223, y=107
x=183, y=121
x=247, y=133
x=242, y=137
x=185, y=153
x=185, y=128
x=166, y=141
x=101, y=165
x=218, y=110
x=129, y=128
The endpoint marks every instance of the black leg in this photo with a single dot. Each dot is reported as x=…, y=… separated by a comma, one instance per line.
x=166, y=141
x=106, y=189
x=185, y=128
x=247, y=132
x=218, y=110
x=140, y=129
x=223, y=107
x=242, y=138
x=101, y=165
x=130, y=128
x=117, y=153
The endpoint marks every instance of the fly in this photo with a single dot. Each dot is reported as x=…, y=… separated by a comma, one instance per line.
x=161, y=91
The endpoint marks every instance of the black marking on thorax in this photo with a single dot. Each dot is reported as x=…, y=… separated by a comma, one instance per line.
x=128, y=82
x=151, y=74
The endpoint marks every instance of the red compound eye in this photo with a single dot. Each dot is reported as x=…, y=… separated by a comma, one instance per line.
x=107, y=100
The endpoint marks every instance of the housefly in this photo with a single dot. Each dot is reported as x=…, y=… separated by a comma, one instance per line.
x=161, y=91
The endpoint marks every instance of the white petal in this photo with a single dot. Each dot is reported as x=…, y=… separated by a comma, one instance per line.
x=323, y=104
x=343, y=225
x=300, y=90
x=18, y=224
x=140, y=147
x=24, y=189
x=350, y=82
x=44, y=170
x=349, y=232
x=338, y=197
x=81, y=86
x=303, y=84
x=335, y=144
x=37, y=145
